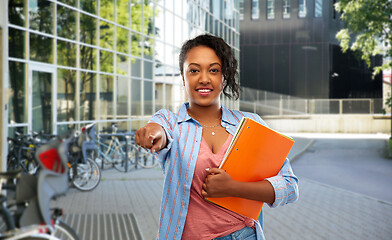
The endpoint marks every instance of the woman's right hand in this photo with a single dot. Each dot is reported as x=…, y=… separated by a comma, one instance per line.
x=152, y=136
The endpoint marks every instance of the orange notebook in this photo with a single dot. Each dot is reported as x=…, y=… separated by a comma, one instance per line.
x=255, y=153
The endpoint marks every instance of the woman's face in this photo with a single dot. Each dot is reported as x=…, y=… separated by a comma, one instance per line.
x=202, y=76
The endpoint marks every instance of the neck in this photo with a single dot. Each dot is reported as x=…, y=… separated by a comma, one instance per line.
x=207, y=114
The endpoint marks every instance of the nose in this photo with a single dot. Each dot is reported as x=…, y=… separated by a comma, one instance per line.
x=204, y=78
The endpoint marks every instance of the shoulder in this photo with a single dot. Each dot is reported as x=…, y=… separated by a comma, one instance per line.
x=165, y=118
x=239, y=114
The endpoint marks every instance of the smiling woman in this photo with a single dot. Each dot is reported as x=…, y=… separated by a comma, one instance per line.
x=191, y=145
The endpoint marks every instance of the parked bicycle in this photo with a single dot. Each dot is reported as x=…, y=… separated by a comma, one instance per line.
x=84, y=173
x=25, y=208
x=141, y=156
x=22, y=149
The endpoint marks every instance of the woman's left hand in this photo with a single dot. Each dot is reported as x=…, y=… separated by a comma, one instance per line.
x=217, y=183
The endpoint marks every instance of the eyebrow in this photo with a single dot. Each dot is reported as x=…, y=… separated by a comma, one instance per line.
x=212, y=64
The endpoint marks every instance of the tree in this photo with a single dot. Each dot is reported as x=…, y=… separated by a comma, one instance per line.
x=368, y=25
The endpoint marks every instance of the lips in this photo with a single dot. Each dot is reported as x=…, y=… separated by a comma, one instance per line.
x=204, y=90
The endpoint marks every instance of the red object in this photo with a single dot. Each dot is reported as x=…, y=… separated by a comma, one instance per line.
x=51, y=160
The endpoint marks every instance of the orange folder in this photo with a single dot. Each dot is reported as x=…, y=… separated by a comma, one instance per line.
x=255, y=153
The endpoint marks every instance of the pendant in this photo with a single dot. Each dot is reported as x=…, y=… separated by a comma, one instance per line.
x=213, y=133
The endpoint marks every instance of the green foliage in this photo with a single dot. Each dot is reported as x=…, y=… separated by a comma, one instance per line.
x=368, y=23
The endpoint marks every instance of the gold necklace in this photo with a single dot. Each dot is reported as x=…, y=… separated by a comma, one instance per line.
x=212, y=132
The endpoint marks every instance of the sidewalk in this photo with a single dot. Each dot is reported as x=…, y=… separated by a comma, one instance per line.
x=130, y=202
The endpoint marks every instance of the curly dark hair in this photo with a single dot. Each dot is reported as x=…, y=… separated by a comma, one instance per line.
x=224, y=53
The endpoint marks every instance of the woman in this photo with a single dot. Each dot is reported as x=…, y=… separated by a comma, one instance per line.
x=191, y=143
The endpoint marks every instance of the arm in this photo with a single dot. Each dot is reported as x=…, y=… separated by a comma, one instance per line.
x=278, y=190
x=219, y=184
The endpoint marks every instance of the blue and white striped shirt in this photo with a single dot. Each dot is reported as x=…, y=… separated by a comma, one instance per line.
x=178, y=161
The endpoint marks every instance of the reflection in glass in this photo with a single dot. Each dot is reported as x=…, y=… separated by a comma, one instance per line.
x=122, y=65
x=66, y=95
x=286, y=9
x=106, y=97
x=66, y=53
x=148, y=69
x=122, y=12
x=318, y=8
x=159, y=96
x=122, y=97
x=106, y=61
x=106, y=9
x=16, y=43
x=271, y=9
x=17, y=107
x=41, y=48
x=87, y=96
x=88, y=29
x=89, y=6
x=88, y=58
x=69, y=2
x=159, y=23
x=106, y=31
x=241, y=9
x=41, y=15
x=255, y=10
x=122, y=40
x=136, y=44
x=42, y=102
x=136, y=99
x=148, y=100
x=13, y=130
x=66, y=22
x=302, y=9
x=16, y=12
x=136, y=67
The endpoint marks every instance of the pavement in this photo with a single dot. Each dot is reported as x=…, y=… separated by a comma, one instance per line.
x=322, y=211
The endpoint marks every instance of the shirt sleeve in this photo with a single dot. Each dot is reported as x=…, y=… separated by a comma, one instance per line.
x=166, y=119
x=285, y=184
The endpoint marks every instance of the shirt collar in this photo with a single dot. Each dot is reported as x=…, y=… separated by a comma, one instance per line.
x=183, y=115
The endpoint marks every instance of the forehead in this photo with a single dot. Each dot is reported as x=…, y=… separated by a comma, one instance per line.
x=202, y=54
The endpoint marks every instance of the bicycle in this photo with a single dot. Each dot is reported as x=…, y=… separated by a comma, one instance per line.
x=113, y=153
x=84, y=173
x=31, y=195
x=142, y=157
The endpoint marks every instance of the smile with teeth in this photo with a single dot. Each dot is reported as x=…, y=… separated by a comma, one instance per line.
x=204, y=90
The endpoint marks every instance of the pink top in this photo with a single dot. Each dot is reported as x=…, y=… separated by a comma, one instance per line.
x=206, y=220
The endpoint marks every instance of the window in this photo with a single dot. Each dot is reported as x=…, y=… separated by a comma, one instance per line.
x=255, y=10
x=286, y=9
x=318, y=8
x=271, y=9
x=302, y=9
x=241, y=9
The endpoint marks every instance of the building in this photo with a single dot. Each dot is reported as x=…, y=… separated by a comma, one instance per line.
x=66, y=63
x=289, y=47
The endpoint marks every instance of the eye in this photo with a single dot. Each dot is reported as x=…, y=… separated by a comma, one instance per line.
x=215, y=70
x=193, y=70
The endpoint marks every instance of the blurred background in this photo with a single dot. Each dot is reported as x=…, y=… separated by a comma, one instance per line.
x=317, y=69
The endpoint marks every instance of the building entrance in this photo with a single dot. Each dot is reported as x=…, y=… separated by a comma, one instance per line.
x=42, y=99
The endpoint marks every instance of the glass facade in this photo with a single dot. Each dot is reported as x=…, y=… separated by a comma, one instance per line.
x=72, y=62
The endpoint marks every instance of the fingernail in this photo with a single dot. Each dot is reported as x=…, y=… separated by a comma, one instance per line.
x=207, y=169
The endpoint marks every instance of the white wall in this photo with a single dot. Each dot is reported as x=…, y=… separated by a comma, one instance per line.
x=347, y=123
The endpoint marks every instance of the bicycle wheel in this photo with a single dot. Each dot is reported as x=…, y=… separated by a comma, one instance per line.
x=146, y=159
x=119, y=162
x=87, y=177
x=63, y=231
